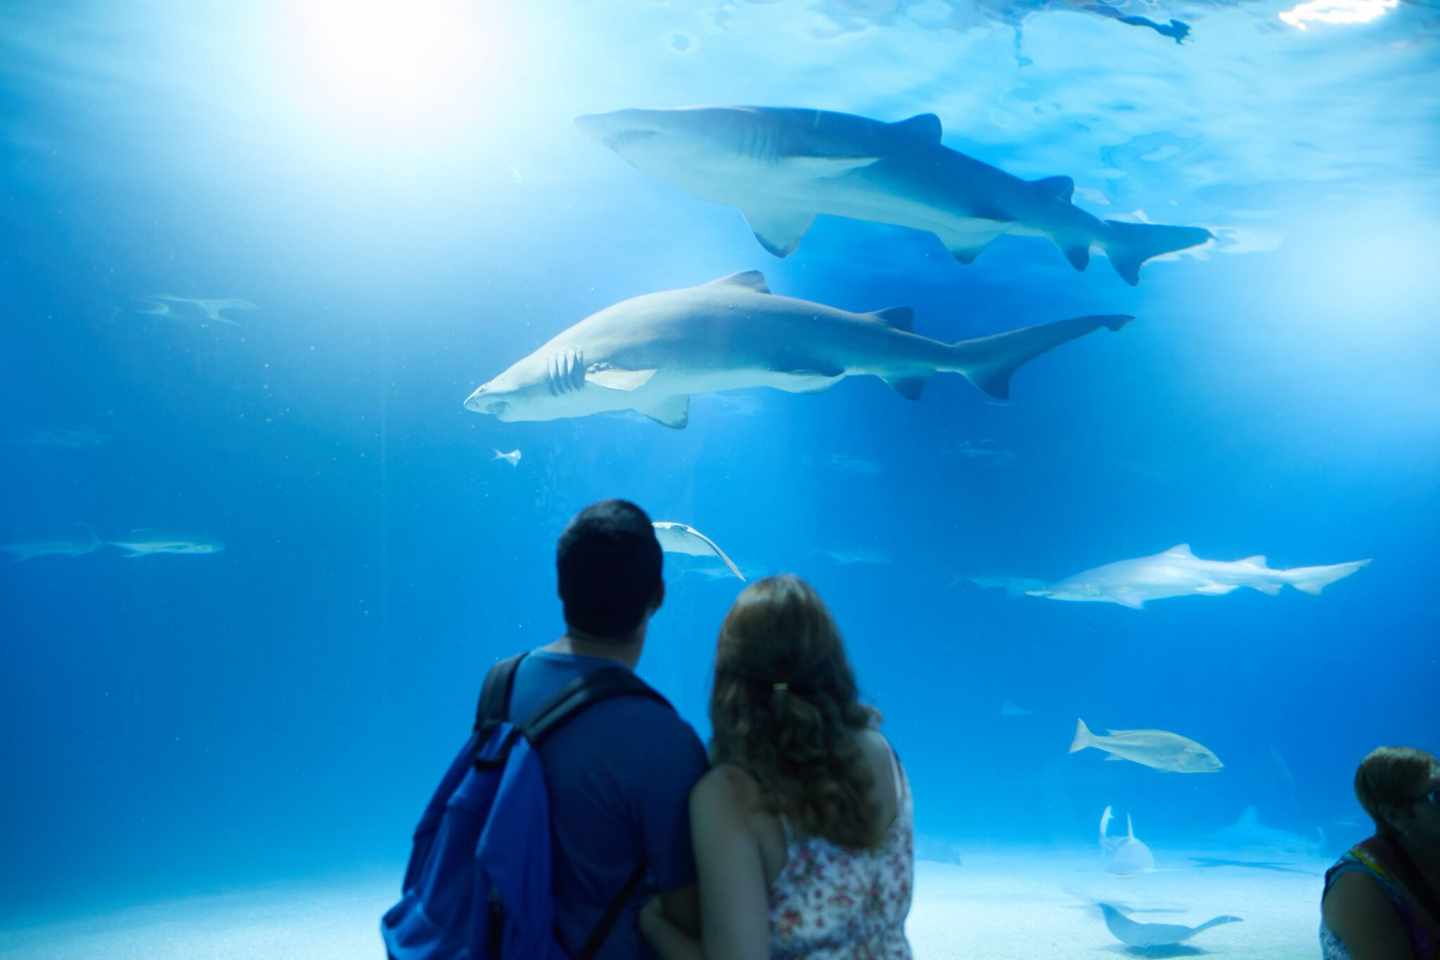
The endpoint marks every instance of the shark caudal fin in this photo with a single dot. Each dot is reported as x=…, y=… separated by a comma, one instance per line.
x=988, y=362
x=1081, y=741
x=1128, y=245
x=1314, y=579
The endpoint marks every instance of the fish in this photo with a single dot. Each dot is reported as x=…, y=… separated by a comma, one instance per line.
x=781, y=166
x=1124, y=856
x=143, y=544
x=1177, y=572
x=651, y=352
x=53, y=548
x=1152, y=748
x=676, y=537
x=1136, y=934
x=160, y=305
x=512, y=458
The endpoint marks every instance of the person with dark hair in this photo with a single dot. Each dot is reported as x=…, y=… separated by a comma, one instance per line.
x=1382, y=899
x=620, y=773
x=804, y=828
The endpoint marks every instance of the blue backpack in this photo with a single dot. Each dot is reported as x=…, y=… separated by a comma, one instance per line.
x=478, y=884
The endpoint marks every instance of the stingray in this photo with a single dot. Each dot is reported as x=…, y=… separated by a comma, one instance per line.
x=676, y=537
x=1146, y=935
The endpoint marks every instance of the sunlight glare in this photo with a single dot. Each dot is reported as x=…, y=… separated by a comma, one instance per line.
x=1336, y=11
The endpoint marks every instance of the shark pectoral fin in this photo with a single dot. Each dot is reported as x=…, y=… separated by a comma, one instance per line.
x=748, y=279
x=923, y=127
x=815, y=167
x=1267, y=588
x=901, y=318
x=1061, y=188
x=1214, y=589
x=908, y=387
x=1133, y=601
x=779, y=231
x=672, y=412
x=615, y=378
x=965, y=245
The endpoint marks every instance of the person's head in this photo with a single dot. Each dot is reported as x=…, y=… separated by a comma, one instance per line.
x=785, y=707
x=1400, y=788
x=608, y=565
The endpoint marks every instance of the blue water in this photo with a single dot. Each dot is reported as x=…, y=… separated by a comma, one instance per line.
x=180, y=724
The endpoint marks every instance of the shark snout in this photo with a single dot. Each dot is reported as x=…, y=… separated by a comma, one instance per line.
x=616, y=130
x=482, y=402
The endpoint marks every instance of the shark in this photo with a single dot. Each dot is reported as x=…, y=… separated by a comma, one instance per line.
x=53, y=548
x=1123, y=856
x=782, y=166
x=1148, y=935
x=142, y=543
x=652, y=352
x=676, y=537
x=1177, y=572
x=160, y=305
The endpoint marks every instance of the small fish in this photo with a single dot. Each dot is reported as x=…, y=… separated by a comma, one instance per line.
x=1143, y=935
x=512, y=458
x=1159, y=749
x=676, y=537
x=140, y=545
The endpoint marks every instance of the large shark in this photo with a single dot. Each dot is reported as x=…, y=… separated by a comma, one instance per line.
x=144, y=543
x=1177, y=572
x=782, y=166
x=651, y=352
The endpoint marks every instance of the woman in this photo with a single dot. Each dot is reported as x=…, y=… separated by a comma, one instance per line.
x=803, y=829
x=1382, y=899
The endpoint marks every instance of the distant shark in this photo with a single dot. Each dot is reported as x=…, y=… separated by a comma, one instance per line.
x=651, y=352
x=782, y=166
x=142, y=543
x=159, y=305
x=1177, y=572
x=1124, y=856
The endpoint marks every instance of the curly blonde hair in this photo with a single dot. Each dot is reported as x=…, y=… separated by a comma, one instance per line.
x=785, y=708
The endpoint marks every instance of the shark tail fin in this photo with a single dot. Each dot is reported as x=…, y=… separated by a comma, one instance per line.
x=1128, y=245
x=1314, y=579
x=989, y=362
x=1082, y=737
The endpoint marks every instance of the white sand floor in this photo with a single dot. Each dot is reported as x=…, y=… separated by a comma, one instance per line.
x=994, y=906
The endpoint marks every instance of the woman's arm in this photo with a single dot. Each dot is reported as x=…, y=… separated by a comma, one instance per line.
x=1358, y=912
x=734, y=908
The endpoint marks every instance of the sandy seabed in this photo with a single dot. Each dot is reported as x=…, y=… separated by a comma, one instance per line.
x=1001, y=905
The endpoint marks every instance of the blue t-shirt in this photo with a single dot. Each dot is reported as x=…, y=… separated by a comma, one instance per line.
x=619, y=777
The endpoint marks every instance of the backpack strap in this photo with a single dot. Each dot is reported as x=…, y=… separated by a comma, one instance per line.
x=606, y=683
x=495, y=694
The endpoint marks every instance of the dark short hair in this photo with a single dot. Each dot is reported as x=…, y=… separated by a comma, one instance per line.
x=608, y=566
x=1390, y=778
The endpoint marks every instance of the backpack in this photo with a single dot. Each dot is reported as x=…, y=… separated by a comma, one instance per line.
x=478, y=885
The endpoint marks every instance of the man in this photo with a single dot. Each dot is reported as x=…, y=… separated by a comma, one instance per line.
x=620, y=773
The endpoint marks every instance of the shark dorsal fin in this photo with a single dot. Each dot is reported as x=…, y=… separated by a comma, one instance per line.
x=923, y=126
x=1180, y=550
x=1061, y=188
x=901, y=318
x=749, y=279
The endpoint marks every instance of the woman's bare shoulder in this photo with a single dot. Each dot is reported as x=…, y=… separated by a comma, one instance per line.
x=727, y=785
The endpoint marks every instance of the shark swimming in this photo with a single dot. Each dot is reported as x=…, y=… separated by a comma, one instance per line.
x=652, y=352
x=53, y=548
x=143, y=543
x=1123, y=856
x=783, y=166
x=1177, y=572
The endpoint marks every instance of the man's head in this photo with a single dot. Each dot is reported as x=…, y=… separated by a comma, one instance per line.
x=608, y=565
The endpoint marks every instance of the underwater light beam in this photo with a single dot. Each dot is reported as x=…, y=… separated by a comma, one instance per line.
x=1337, y=11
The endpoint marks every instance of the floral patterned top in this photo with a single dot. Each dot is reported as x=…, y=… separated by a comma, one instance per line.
x=830, y=903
